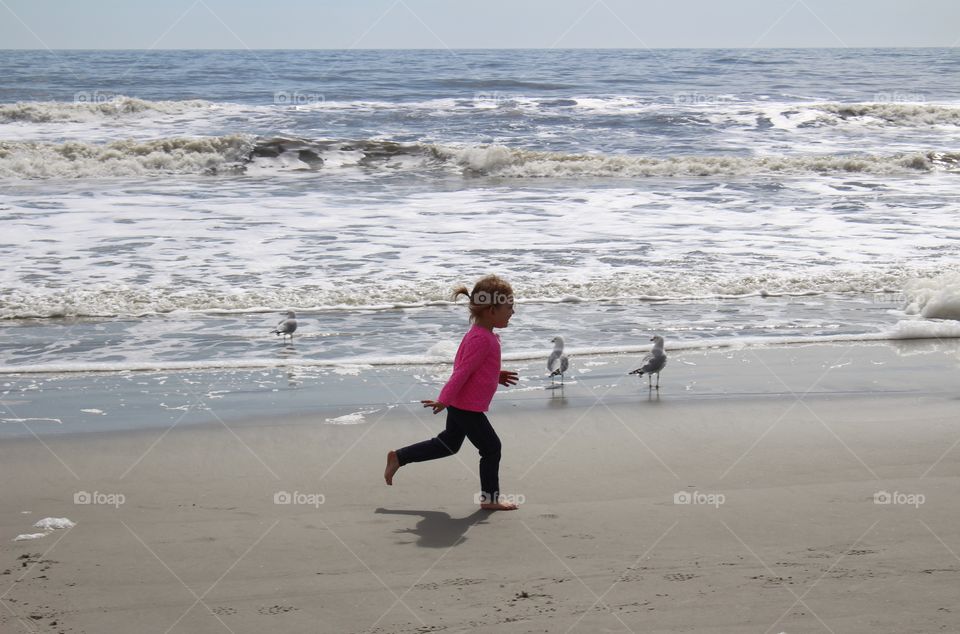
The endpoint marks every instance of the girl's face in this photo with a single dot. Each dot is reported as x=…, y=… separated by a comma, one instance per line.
x=500, y=315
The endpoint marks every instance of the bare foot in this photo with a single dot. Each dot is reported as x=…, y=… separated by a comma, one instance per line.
x=393, y=463
x=499, y=506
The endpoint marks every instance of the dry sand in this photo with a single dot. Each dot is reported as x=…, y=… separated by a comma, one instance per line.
x=741, y=498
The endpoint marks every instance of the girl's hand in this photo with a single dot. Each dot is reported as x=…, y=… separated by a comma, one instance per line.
x=436, y=405
x=508, y=378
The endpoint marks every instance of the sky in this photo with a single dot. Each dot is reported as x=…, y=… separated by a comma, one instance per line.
x=349, y=24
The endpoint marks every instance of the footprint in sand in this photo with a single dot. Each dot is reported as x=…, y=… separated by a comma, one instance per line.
x=773, y=582
x=680, y=576
x=276, y=609
x=224, y=611
x=459, y=581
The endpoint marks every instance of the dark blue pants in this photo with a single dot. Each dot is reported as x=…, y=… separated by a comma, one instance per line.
x=463, y=424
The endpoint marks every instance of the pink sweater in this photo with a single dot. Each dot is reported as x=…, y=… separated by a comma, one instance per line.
x=476, y=372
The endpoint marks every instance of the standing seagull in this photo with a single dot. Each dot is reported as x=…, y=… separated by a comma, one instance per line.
x=288, y=326
x=653, y=362
x=558, y=362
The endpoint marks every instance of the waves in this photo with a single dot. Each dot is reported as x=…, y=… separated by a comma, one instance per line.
x=922, y=293
x=505, y=96
x=203, y=155
x=90, y=107
x=506, y=162
x=597, y=136
x=894, y=114
x=246, y=154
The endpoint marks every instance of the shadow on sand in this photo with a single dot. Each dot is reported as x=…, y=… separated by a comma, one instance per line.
x=437, y=529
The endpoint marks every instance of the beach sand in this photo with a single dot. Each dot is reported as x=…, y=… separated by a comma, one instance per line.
x=743, y=497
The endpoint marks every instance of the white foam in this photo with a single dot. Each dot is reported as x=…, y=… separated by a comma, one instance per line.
x=27, y=536
x=54, y=523
x=354, y=418
x=795, y=116
x=442, y=351
x=924, y=329
x=669, y=284
x=936, y=298
x=351, y=370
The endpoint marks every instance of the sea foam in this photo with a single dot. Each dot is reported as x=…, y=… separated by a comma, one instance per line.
x=936, y=298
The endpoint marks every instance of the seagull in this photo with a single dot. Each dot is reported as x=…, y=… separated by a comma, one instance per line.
x=288, y=326
x=558, y=362
x=653, y=362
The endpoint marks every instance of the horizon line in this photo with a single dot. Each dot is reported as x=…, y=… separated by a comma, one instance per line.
x=510, y=48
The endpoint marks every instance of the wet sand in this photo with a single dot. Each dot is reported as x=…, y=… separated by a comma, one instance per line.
x=783, y=489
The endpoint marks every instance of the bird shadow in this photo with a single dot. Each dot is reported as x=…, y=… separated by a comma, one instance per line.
x=437, y=529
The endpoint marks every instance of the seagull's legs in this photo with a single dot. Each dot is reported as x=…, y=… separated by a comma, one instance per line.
x=658, y=381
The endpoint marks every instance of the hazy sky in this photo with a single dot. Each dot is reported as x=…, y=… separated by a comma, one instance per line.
x=238, y=24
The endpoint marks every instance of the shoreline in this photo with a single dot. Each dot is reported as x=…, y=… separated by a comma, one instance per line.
x=345, y=395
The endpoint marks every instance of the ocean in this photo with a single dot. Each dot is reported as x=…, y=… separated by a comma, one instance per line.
x=161, y=210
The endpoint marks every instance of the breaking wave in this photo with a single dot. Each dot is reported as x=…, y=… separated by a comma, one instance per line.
x=90, y=106
x=894, y=286
x=247, y=154
x=895, y=114
x=204, y=155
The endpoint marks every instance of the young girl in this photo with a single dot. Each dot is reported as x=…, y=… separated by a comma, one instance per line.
x=467, y=395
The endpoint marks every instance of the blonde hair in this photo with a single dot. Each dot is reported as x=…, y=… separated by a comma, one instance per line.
x=489, y=291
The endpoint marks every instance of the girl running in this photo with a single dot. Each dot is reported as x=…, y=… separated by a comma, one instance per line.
x=468, y=392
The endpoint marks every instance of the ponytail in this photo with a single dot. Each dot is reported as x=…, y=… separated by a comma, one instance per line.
x=488, y=292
